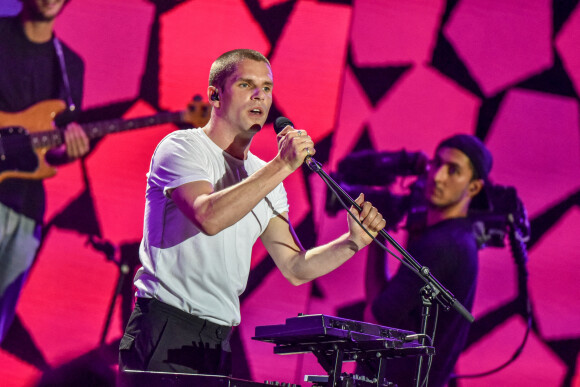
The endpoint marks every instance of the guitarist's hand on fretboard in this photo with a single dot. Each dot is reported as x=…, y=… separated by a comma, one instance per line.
x=76, y=144
x=76, y=141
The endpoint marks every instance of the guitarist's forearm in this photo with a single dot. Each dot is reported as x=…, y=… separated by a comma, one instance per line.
x=58, y=156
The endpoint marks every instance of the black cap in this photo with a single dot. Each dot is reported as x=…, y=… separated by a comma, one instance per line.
x=480, y=158
x=473, y=148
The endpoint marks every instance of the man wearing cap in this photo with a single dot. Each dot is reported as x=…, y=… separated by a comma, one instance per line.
x=446, y=245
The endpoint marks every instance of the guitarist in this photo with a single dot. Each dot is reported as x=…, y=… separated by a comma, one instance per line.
x=34, y=67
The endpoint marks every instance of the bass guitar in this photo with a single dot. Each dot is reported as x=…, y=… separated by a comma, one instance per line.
x=25, y=139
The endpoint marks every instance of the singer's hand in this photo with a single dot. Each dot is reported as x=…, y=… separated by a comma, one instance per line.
x=370, y=217
x=294, y=145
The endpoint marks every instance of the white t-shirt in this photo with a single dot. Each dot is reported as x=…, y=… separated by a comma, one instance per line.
x=199, y=274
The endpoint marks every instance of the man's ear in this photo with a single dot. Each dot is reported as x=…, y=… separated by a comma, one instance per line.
x=475, y=186
x=213, y=96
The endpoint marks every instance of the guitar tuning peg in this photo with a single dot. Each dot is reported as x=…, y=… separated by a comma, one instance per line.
x=197, y=98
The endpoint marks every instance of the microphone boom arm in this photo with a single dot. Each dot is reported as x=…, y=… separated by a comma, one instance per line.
x=440, y=293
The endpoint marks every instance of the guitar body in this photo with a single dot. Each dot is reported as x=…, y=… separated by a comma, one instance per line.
x=36, y=118
x=26, y=136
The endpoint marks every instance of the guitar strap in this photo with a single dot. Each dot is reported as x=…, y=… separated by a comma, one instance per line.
x=65, y=80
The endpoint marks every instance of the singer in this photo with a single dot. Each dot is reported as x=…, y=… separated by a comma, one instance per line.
x=208, y=199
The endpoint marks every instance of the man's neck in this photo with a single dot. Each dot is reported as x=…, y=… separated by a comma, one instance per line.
x=37, y=31
x=438, y=214
x=233, y=143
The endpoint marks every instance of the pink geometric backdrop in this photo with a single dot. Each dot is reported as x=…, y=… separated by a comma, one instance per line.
x=356, y=74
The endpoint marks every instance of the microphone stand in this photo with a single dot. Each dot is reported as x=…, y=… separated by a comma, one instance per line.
x=433, y=288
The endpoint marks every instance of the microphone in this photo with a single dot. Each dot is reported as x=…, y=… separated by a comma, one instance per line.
x=281, y=123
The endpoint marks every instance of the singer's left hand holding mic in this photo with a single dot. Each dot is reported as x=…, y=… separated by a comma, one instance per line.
x=294, y=146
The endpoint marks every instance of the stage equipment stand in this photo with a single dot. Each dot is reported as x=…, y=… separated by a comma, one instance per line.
x=109, y=250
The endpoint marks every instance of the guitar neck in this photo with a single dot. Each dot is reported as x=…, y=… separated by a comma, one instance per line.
x=54, y=138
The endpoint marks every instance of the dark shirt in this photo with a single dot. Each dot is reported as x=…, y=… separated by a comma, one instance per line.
x=449, y=250
x=30, y=73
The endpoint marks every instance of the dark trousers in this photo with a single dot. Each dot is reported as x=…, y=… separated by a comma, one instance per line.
x=160, y=337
